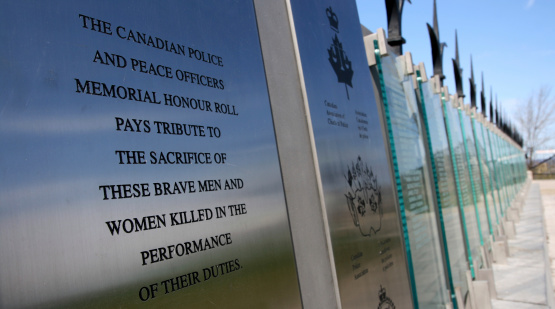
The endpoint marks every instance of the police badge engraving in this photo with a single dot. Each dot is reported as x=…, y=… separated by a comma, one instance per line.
x=385, y=302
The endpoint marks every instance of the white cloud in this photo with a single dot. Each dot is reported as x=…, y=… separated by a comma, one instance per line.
x=530, y=3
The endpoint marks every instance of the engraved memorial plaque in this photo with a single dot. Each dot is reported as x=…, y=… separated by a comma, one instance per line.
x=138, y=161
x=358, y=192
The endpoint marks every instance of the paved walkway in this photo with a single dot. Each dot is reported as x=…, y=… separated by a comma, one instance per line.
x=525, y=281
x=547, y=188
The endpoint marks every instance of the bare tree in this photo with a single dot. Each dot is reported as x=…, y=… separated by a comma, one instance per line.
x=535, y=118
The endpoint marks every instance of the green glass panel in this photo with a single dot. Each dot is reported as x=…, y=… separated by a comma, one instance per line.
x=446, y=190
x=495, y=207
x=484, y=174
x=472, y=232
x=406, y=133
x=474, y=170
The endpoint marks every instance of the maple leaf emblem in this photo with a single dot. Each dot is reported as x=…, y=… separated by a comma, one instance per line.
x=340, y=63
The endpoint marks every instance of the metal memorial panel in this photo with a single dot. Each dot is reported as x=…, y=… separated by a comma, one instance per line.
x=471, y=222
x=474, y=169
x=357, y=188
x=446, y=185
x=416, y=194
x=138, y=163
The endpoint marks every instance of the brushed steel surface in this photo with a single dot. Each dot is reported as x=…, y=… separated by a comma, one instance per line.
x=65, y=142
x=356, y=183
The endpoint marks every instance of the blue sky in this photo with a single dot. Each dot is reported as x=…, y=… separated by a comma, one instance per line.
x=511, y=42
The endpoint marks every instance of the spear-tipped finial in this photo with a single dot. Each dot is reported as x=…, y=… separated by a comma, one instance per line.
x=471, y=69
x=472, y=85
x=457, y=68
x=394, y=34
x=490, y=94
x=436, y=24
x=483, y=97
x=490, y=104
x=496, y=111
x=503, y=118
x=457, y=48
x=437, y=47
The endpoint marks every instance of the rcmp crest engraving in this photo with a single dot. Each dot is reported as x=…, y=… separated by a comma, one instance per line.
x=337, y=57
x=385, y=302
x=364, y=198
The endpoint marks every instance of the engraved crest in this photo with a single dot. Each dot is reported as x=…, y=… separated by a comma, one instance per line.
x=385, y=302
x=332, y=17
x=364, y=198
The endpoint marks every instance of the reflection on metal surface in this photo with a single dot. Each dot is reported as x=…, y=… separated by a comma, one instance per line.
x=356, y=182
x=138, y=162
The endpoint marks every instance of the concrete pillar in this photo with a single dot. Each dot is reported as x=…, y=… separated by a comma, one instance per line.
x=459, y=297
x=500, y=250
x=487, y=276
x=509, y=228
x=482, y=295
x=471, y=296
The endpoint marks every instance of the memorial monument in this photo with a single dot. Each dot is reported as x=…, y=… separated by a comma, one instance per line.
x=453, y=121
x=357, y=188
x=254, y=154
x=445, y=186
x=139, y=162
x=473, y=158
x=410, y=165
